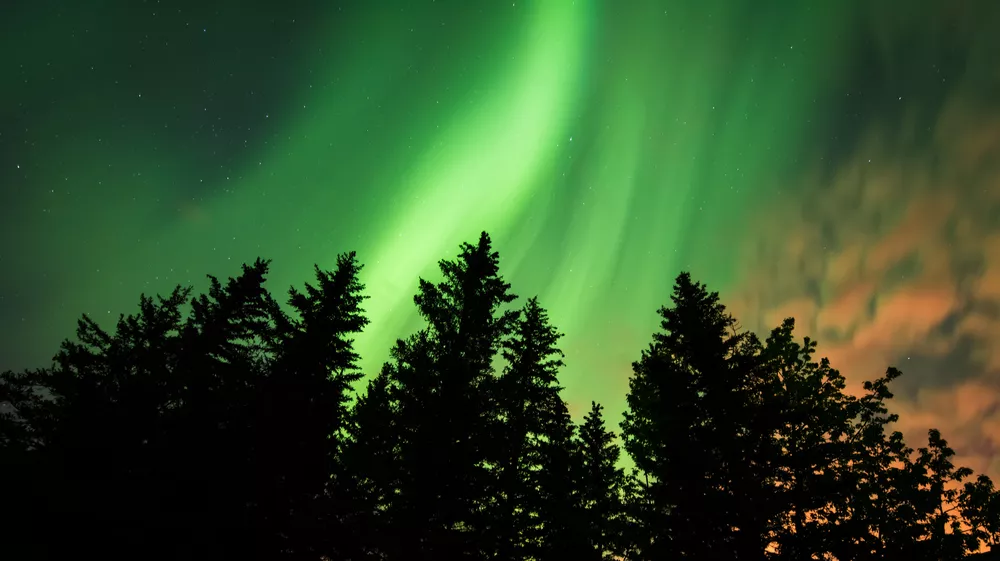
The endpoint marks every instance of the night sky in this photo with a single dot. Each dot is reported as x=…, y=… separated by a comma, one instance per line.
x=837, y=161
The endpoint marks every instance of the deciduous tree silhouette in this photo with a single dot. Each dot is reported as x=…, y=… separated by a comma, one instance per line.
x=731, y=435
x=801, y=424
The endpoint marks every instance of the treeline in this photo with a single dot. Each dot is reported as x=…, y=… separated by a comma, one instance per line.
x=231, y=432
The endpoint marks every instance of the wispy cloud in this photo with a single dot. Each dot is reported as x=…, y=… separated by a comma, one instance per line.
x=894, y=259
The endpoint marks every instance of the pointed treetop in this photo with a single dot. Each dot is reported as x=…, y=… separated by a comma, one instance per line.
x=472, y=289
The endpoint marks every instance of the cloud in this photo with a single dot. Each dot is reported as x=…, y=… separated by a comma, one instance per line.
x=893, y=258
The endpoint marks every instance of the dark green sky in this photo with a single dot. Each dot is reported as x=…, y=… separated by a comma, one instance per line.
x=836, y=161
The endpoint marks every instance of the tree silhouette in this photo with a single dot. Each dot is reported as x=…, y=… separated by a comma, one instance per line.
x=602, y=484
x=561, y=529
x=192, y=438
x=228, y=431
x=371, y=459
x=729, y=434
x=528, y=408
x=302, y=409
x=537, y=508
x=686, y=428
x=441, y=381
x=803, y=421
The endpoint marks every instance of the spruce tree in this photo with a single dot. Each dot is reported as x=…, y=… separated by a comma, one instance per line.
x=528, y=383
x=371, y=459
x=532, y=437
x=199, y=437
x=688, y=404
x=140, y=433
x=441, y=381
x=227, y=434
x=638, y=516
x=741, y=446
x=303, y=410
x=560, y=531
x=601, y=486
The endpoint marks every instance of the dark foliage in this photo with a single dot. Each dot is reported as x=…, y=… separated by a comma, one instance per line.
x=214, y=436
x=229, y=431
x=602, y=485
x=778, y=461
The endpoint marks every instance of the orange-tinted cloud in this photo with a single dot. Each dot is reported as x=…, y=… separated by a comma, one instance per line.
x=894, y=259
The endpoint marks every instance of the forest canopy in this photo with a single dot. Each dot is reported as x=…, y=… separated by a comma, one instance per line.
x=224, y=425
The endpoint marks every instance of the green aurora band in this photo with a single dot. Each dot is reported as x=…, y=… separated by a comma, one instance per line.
x=605, y=145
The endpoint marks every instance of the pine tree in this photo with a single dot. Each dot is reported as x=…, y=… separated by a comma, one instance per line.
x=302, y=408
x=227, y=434
x=685, y=428
x=529, y=408
x=198, y=437
x=120, y=423
x=601, y=486
x=441, y=380
x=371, y=459
x=560, y=532
x=638, y=516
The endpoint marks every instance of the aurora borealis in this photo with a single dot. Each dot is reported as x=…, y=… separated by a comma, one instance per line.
x=834, y=161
